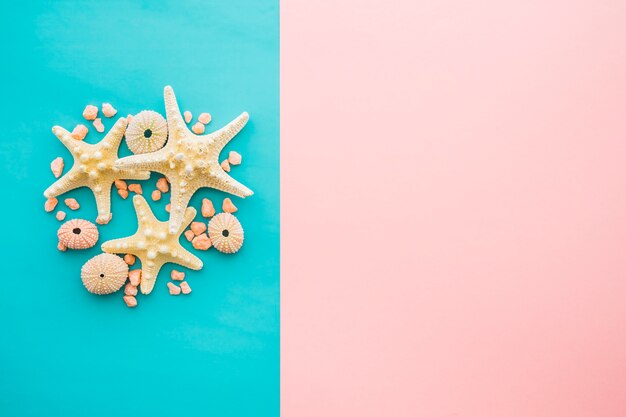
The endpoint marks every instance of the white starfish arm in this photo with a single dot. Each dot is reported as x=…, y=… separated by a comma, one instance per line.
x=114, y=136
x=133, y=174
x=103, y=204
x=172, y=111
x=62, y=185
x=66, y=139
x=227, y=133
x=117, y=245
x=230, y=185
x=149, y=273
x=188, y=259
x=150, y=161
x=179, y=202
x=142, y=209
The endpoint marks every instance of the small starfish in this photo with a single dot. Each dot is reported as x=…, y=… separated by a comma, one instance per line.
x=93, y=168
x=153, y=245
x=189, y=161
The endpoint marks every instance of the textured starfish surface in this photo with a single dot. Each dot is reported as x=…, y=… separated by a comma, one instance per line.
x=189, y=161
x=94, y=168
x=153, y=245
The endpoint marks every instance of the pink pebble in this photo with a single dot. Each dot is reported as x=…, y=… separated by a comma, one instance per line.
x=168, y=207
x=198, y=128
x=177, y=275
x=189, y=235
x=108, y=110
x=225, y=165
x=57, y=166
x=188, y=116
x=72, y=204
x=130, y=301
x=207, y=208
x=198, y=228
x=185, y=288
x=130, y=289
x=174, y=289
x=156, y=195
x=50, y=204
x=98, y=125
x=60, y=215
x=90, y=112
x=80, y=132
x=129, y=259
x=61, y=247
x=134, y=276
x=204, y=118
x=201, y=242
x=234, y=158
x=162, y=185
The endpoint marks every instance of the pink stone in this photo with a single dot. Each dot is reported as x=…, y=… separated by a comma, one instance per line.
x=129, y=259
x=130, y=289
x=108, y=110
x=90, y=112
x=50, y=204
x=80, y=132
x=57, y=166
x=60, y=215
x=162, y=185
x=201, y=242
x=130, y=301
x=98, y=125
x=134, y=276
x=228, y=206
x=225, y=165
x=71, y=203
x=177, y=275
x=185, y=288
x=188, y=116
x=207, y=208
x=198, y=228
x=204, y=118
x=234, y=158
x=174, y=289
x=198, y=128
x=189, y=235
x=156, y=195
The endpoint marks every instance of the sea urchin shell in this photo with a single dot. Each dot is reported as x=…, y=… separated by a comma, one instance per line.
x=104, y=274
x=226, y=233
x=78, y=234
x=147, y=132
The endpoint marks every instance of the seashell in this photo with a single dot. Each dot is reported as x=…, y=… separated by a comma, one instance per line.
x=78, y=234
x=226, y=233
x=104, y=274
x=147, y=132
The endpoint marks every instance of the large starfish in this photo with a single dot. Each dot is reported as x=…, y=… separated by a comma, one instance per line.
x=189, y=161
x=153, y=245
x=93, y=168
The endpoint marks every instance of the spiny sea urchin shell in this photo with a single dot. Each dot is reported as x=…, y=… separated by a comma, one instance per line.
x=226, y=233
x=146, y=132
x=104, y=274
x=78, y=234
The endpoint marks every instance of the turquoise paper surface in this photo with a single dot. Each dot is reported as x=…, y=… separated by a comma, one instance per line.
x=66, y=352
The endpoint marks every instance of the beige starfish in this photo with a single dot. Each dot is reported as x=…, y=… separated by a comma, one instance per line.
x=153, y=245
x=93, y=168
x=189, y=161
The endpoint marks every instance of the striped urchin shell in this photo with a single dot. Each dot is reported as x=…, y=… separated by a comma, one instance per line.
x=104, y=273
x=78, y=234
x=226, y=233
x=146, y=132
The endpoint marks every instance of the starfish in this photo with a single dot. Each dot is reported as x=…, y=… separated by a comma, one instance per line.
x=93, y=168
x=153, y=245
x=189, y=161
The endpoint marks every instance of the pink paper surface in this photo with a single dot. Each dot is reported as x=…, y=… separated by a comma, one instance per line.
x=453, y=208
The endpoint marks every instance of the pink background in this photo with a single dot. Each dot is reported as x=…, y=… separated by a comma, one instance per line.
x=453, y=208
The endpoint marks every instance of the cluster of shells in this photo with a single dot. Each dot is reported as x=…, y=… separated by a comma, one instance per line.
x=106, y=273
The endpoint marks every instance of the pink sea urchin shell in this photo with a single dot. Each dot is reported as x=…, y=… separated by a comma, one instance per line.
x=78, y=234
x=147, y=132
x=226, y=233
x=104, y=273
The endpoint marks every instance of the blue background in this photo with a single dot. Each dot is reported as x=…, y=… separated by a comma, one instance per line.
x=66, y=352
